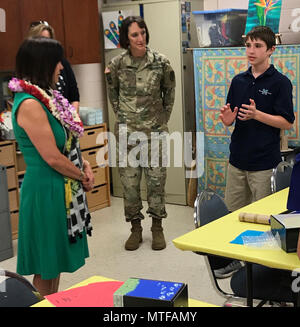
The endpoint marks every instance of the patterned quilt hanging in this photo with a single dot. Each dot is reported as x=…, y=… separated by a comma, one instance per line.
x=214, y=69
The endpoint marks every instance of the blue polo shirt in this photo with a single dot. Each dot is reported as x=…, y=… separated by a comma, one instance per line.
x=254, y=145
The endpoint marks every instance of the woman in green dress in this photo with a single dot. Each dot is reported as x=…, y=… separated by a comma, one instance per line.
x=53, y=217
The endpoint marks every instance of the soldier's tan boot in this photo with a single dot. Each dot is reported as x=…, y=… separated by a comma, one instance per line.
x=135, y=237
x=158, y=239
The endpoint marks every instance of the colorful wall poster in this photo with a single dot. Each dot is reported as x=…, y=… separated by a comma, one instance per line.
x=264, y=13
x=111, y=22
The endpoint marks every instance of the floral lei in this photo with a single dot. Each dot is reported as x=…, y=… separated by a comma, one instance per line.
x=58, y=105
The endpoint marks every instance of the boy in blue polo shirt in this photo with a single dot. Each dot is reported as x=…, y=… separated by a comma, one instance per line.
x=259, y=101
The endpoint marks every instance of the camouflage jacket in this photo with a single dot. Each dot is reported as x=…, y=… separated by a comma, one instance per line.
x=141, y=91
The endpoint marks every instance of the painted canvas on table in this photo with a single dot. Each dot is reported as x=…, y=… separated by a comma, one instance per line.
x=264, y=13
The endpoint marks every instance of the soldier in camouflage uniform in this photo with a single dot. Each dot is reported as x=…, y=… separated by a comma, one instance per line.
x=141, y=88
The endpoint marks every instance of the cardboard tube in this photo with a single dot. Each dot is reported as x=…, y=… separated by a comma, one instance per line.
x=254, y=218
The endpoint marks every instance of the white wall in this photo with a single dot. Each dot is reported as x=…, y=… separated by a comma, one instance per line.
x=224, y=4
x=90, y=82
x=286, y=19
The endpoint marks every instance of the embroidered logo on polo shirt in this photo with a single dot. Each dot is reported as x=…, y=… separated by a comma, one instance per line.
x=265, y=92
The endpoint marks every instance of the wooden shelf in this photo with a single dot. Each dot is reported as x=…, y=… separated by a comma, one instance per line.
x=9, y=160
x=90, y=143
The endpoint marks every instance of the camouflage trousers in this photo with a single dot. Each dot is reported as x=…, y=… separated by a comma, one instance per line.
x=130, y=170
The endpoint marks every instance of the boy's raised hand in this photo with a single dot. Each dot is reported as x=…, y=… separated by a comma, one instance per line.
x=247, y=111
x=227, y=115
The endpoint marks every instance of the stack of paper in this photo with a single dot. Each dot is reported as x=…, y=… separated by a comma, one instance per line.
x=92, y=295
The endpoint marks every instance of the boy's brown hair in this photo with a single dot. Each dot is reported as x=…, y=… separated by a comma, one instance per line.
x=263, y=33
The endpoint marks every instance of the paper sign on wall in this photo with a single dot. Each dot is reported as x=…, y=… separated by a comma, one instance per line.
x=111, y=22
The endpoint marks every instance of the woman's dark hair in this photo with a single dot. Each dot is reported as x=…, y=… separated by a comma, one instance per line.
x=263, y=33
x=124, y=41
x=36, y=60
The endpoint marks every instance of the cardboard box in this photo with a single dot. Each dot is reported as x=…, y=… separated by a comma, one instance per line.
x=287, y=226
x=220, y=28
x=137, y=292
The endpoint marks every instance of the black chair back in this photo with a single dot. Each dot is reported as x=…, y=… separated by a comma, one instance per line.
x=281, y=176
x=209, y=206
x=17, y=291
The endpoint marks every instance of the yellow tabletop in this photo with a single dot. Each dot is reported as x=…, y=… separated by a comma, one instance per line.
x=215, y=237
x=96, y=279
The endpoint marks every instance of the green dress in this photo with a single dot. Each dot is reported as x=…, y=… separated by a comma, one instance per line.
x=43, y=245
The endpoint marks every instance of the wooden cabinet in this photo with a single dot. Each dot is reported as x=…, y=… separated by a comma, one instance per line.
x=93, y=147
x=37, y=10
x=82, y=39
x=10, y=39
x=8, y=159
x=76, y=25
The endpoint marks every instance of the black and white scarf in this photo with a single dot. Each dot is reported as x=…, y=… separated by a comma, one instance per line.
x=78, y=215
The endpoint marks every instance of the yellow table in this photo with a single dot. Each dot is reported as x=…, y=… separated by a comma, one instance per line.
x=215, y=237
x=95, y=279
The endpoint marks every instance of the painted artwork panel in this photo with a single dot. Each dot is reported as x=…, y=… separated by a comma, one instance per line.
x=111, y=22
x=264, y=13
